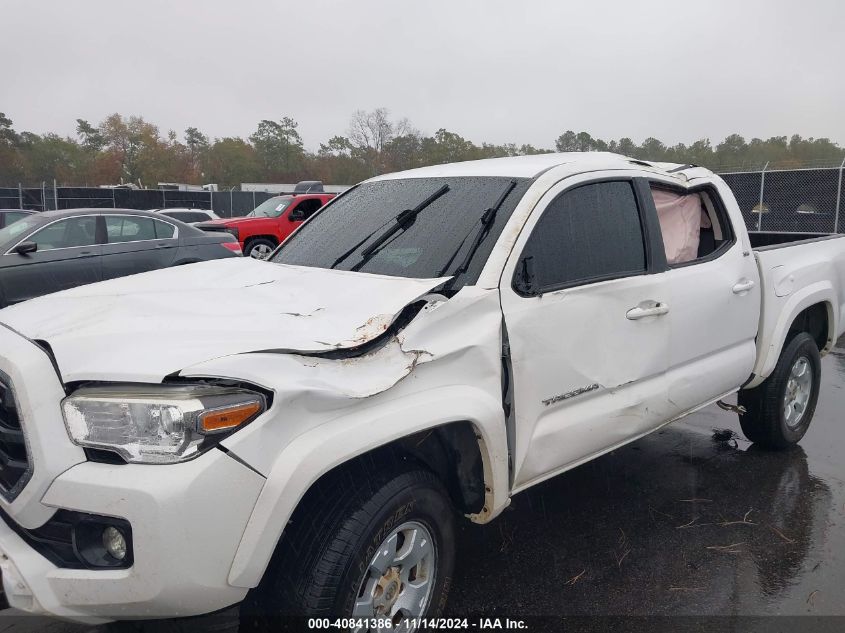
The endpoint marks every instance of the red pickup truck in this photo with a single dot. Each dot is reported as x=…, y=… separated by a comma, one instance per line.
x=269, y=224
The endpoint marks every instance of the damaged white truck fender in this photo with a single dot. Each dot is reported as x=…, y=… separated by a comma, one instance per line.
x=299, y=436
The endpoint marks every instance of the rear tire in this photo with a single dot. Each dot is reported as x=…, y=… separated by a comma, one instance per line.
x=359, y=522
x=779, y=411
x=259, y=248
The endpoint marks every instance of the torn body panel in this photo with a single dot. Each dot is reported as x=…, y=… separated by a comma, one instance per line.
x=310, y=390
x=443, y=367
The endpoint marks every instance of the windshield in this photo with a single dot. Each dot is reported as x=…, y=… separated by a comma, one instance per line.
x=17, y=230
x=272, y=208
x=339, y=235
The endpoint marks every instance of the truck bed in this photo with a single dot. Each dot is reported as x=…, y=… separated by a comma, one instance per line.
x=797, y=270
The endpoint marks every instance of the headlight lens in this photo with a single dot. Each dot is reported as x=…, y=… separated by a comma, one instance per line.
x=157, y=424
x=233, y=231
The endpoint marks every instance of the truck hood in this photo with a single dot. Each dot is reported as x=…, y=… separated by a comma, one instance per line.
x=145, y=327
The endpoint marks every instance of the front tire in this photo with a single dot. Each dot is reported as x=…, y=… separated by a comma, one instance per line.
x=779, y=411
x=259, y=248
x=365, y=546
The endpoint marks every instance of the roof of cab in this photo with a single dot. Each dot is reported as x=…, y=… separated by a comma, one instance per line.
x=532, y=166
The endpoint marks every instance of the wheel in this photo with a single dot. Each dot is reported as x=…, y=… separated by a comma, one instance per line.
x=259, y=248
x=365, y=547
x=779, y=411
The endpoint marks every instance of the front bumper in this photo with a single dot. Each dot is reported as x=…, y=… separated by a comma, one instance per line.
x=187, y=521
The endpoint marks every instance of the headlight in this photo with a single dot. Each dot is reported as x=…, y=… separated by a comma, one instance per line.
x=234, y=231
x=157, y=424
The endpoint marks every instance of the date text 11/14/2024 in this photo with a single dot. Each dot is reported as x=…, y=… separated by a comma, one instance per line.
x=418, y=624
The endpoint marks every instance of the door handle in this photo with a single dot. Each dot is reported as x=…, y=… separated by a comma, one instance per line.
x=654, y=309
x=742, y=286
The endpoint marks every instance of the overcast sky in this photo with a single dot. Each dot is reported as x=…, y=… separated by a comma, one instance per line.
x=494, y=70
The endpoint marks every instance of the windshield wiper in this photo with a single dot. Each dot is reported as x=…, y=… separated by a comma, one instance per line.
x=402, y=222
x=487, y=219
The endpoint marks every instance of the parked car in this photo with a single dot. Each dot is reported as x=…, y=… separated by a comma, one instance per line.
x=303, y=433
x=189, y=216
x=7, y=216
x=55, y=250
x=270, y=223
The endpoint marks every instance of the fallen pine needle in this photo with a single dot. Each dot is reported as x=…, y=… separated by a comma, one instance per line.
x=575, y=579
x=781, y=534
x=650, y=509
x=685, y=589
x=730, y=549
x=743, y=521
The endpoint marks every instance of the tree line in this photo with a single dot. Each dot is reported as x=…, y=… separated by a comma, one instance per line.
x=124, y=149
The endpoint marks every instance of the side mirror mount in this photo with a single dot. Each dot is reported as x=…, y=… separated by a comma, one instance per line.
x=297, y=215
x=524, y=283
x=25, y=248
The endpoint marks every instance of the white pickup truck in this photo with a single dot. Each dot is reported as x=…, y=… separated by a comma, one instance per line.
x=296, y=436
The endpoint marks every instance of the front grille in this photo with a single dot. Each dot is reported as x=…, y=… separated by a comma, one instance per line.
x=14, y=457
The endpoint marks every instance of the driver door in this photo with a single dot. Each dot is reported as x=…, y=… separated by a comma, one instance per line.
x=584, y=299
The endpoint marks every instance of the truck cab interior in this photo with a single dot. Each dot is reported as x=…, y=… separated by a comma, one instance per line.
x=693, y=225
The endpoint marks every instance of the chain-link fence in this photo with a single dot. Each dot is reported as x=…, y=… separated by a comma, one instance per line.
x=810, y=200
x=47, y=198
x=797, y=200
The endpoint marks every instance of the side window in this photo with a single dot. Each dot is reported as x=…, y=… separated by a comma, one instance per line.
x=125, y=228
x=68, y=233
x=692, y=226
x=586, y=234
x=164, y=230
x=308, y=207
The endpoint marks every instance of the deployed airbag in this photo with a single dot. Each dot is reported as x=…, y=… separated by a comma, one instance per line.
x=681, y=220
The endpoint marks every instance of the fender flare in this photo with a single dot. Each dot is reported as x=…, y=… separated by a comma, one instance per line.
x=314, y=453
x=821, y=292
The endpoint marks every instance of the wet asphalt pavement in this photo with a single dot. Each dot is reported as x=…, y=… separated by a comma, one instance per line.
x=676, y=524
